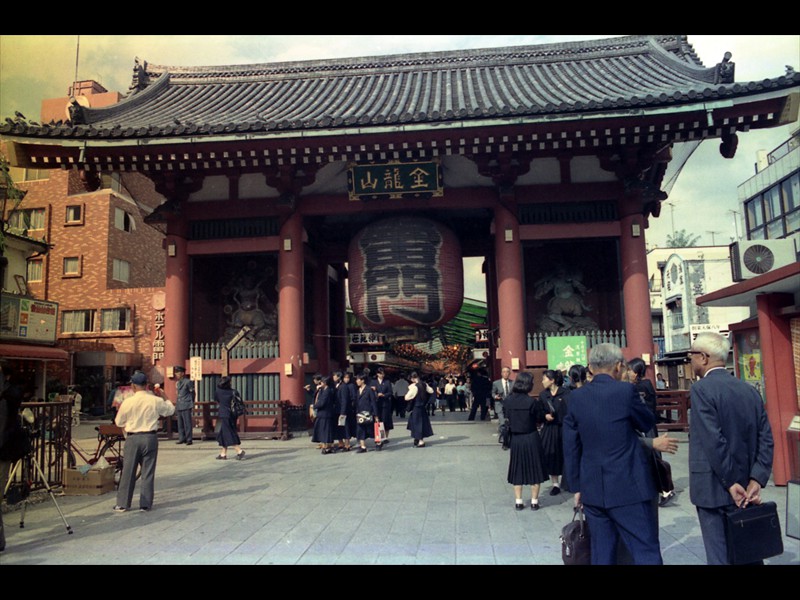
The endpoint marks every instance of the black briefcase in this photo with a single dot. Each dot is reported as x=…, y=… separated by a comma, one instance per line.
x=576, y=545
x=753, y=533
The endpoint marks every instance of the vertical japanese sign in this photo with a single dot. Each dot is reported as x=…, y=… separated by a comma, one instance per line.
x=159, y=306
x=563, y=352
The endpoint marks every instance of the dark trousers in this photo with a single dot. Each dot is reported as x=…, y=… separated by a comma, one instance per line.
x=476, y=402
x=141, y=450
x=5, y=469
x=184, y=425
x=634, y=523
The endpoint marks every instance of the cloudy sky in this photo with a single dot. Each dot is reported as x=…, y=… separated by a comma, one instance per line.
x=33, y=68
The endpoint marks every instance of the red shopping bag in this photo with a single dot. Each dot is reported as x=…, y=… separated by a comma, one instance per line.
x=380, y=432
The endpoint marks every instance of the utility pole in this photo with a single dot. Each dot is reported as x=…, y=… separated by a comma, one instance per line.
x=672, y=217
x=712, y=236
x=735, y=222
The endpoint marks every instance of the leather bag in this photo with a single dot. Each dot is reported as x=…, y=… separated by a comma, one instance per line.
x=238, y=407
x=576, y=548
x=663, y=474
x=504, y=434
x=752, y=533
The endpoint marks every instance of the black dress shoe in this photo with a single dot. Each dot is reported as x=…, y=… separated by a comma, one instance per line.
x=519, y=506
x=180, y=442
x=555, y=491
x=361, y=450
x=188, y=443
x=534, y=506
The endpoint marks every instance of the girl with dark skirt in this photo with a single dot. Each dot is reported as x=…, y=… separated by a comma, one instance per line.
x=384, y=397
x=341, y=442
x=524, y=415
x=327, y=414
x=345, y=409
x=365, y=403
x=419, y=423
x=227, y=436
x=553, y=401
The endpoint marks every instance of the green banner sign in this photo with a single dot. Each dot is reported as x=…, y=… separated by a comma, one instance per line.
x=565, y=351
x=395, y=180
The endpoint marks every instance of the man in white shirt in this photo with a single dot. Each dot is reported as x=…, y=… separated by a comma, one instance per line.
x=138, y=416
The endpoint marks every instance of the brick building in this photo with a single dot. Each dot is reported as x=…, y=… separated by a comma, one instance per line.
x=104, y=268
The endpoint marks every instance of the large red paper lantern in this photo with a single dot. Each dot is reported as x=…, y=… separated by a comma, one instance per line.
x=405, y=273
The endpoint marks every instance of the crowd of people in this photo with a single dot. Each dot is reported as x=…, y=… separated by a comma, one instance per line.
x=590, y=431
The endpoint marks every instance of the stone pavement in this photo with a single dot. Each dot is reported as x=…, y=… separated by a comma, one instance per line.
x=286, y=504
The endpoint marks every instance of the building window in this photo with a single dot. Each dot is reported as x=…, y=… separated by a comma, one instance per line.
x=110, y=181
x=77, y=321
x=115, y=319
x=36, y=174
x=74, y=215
x=72, y=266
x=35, y=270
x=121, y=270
x=123, y=221
x=27, y=219
x=791, y=202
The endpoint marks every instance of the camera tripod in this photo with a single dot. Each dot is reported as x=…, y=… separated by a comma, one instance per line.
x=18, y=468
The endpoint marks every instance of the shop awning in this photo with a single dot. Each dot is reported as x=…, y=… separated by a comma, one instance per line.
x=30, y=352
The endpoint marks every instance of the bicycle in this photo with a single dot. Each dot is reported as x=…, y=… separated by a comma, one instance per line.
x=110, y=442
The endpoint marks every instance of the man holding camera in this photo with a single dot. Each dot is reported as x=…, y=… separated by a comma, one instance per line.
x=138, y=416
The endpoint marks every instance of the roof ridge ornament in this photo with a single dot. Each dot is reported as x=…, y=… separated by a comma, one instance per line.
x=725, y=70
x=140, y=77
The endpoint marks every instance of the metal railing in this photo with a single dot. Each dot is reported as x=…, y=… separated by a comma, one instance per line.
x=51, y=433
x=213, y=351
x=537, y=341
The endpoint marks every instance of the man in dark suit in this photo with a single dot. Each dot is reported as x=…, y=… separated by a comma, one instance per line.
x=606, y=464
x=730, y=442
x=481, y=387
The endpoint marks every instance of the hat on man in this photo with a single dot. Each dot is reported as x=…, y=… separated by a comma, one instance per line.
x=179, y=369
x=139, y=378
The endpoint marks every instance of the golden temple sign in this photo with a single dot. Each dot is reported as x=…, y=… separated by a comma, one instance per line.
x=395, y=180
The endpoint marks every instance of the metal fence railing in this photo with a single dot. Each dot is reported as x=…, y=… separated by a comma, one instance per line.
x=537, y=341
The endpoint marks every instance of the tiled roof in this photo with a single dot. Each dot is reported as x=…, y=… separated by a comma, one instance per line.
x=427, y=88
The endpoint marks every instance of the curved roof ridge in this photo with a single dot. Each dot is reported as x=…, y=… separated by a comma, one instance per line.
x=93, y=115
x=473, y=57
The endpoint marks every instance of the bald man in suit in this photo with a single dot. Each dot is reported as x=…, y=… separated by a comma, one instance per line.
x=606, y=464
x=730, y=443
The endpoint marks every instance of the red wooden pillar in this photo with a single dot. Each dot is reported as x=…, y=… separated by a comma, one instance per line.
x=777, y=364
x=635, y=287
x=291, y=323
x=510, y=297
x=176, y=312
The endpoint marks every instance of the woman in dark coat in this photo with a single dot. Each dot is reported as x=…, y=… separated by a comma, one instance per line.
x=227, y=435
x=366, y=402
x=327, y=414
x=419, y=423
x=553, y=399
x=384, y=396
x=345, y=411
x=524, y=414
x=645, y=388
